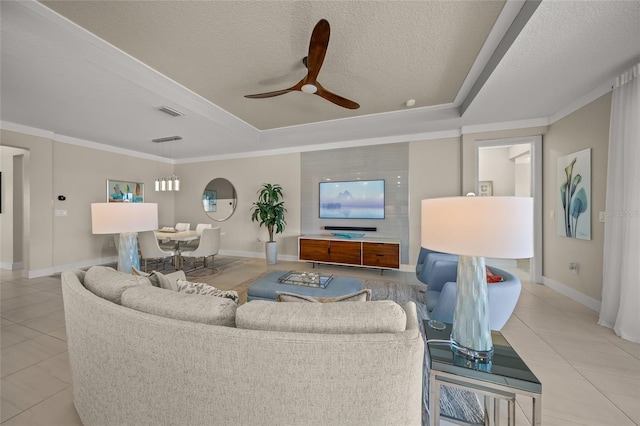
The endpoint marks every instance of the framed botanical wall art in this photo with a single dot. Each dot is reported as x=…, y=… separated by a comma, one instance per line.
x=574, y=195
x=119, y=191
x=485, y=188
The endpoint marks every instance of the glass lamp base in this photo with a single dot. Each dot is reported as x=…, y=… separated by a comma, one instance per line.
x=128, y=252
x=471, y=332
x=472, y=354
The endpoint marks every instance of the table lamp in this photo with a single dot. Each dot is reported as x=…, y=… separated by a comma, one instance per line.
x=475, y=228
x=125, y=219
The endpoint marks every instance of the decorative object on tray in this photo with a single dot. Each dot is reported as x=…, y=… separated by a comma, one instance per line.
x=347, y=234
x=309, y=279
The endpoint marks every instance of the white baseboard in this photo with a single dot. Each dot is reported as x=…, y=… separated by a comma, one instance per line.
x=37, y=273
x=45, y=272
x=11, y=266
x=583, y=299
x=256, y=255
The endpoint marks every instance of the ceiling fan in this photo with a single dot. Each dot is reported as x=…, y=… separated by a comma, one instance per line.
x=313, y=62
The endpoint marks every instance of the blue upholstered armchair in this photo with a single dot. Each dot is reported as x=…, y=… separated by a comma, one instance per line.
x=439, y=272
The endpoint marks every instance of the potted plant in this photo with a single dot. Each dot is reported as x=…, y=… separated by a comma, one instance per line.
x=269, y=211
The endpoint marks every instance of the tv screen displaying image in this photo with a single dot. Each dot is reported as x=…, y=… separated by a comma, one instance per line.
x=360, y=199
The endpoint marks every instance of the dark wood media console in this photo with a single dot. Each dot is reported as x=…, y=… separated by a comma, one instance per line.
x=379, y=253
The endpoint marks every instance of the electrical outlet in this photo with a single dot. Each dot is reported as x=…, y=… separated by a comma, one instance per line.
x=573, y=267
x=552, y=214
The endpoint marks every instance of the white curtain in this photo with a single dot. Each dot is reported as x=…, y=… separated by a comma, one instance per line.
x=620, y=307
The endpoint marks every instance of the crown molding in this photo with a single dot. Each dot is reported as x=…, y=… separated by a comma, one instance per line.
x=27, y=130
x=506, y=125
x=32, y=131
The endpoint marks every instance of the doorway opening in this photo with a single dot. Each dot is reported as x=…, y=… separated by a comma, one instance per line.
x=513, y=167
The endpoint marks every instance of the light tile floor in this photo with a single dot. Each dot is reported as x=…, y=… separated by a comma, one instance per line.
x=589, y=376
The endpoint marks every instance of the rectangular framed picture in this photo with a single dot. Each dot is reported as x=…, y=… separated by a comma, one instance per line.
x=574, y=195
x=120, y=191
x=485, y=188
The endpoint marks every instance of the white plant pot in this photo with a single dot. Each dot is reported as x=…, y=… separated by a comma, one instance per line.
x=271, y=249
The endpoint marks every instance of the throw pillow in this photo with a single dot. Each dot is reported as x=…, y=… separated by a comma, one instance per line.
x=206, y=289
x=493, y=278
x=363, y=295
x=157, y=279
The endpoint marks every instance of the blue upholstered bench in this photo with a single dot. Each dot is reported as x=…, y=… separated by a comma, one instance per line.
x=266, y=287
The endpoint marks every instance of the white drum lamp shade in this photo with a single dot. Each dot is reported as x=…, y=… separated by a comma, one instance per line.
x=125, y=219
x=475, y=228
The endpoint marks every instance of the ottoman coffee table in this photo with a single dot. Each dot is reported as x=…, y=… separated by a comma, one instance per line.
x=266, y=287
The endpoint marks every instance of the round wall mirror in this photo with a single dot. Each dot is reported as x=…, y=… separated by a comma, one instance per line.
x=219, y=199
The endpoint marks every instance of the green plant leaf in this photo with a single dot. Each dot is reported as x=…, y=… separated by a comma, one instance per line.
x=576, y=180
x=269, y=210
x=563, y=194
x=579, y=203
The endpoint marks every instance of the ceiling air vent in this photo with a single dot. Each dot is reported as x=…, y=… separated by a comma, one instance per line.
x=167, y=139
x=168, y=110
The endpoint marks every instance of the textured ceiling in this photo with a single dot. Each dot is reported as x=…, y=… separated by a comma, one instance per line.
x=470, y=66
x=380, y=53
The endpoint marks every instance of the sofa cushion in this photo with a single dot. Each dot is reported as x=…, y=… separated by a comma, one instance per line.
x=181, y=306
x=110, y=284
x=206, y=290
x=363, y=295
x=384, y=316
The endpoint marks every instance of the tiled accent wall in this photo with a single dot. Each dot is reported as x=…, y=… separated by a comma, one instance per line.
x=389, y=162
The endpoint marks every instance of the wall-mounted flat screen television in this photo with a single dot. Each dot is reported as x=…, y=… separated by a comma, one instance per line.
x=359, y=199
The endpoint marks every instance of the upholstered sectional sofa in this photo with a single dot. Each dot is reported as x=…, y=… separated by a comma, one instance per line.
x=145, y=355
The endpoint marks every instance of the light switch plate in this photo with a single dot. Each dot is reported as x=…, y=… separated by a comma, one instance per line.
x=602, y=216
x=60, y=213
x=552, y=214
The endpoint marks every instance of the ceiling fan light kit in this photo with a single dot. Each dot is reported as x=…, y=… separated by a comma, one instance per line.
x=313, y=62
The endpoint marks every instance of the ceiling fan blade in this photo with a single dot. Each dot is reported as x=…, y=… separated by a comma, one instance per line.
x=293, y=88
x=336, y=99
x=317, y=50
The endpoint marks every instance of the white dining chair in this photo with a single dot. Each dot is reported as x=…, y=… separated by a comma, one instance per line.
x=150, y=249
x=199, y=228
x=181, y=226
x=208, y=246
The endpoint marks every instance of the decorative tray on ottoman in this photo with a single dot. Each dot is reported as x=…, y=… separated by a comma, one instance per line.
x=309, y=279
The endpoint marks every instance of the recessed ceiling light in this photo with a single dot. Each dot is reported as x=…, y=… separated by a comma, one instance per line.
x=410, y=102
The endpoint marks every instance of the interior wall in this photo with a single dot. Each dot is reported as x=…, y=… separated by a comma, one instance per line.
x=586, y=128
x=389, y=162
x=434, y=171
x=239, y=235
x=496, y=166
x=38, y=226
x=522, y=179
x=10, y=219
x=80, y=175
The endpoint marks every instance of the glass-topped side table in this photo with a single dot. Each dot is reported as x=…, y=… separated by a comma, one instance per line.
x=501, y=379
